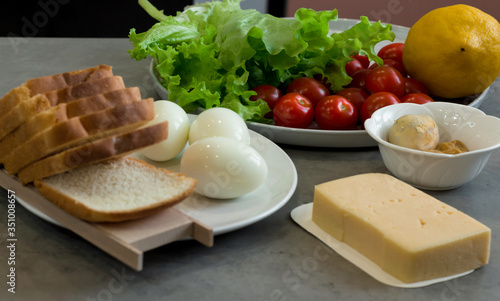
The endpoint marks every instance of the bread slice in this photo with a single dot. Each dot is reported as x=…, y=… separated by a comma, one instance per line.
x=13, y=98
x=51, y=82
x=67, y=79
x=62, y=112
x=22, y=112
x=25, y=109
x=102, y=101
x=93, y=152
x=115, y=190
x=85, y=89
x=79, y=130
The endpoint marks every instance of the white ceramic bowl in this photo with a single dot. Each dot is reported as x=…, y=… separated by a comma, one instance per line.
x=436, y=171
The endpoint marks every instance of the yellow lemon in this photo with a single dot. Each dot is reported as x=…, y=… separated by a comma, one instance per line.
x=454, y=51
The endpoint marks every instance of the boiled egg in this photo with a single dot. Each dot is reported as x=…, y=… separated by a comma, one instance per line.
x=219, y=122
x=178, y=131
x=224, y=167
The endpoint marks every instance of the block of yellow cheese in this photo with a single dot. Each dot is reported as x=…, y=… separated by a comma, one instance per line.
x=406, y=232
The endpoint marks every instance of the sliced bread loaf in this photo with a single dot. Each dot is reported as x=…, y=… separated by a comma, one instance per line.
x=93, y=152
x=27, y=108
x=79, y=130
x=51, y=82
x=64, y=111
x=115, y=190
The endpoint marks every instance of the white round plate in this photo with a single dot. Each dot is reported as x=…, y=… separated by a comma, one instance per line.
x=318, y=137
x=228, y=215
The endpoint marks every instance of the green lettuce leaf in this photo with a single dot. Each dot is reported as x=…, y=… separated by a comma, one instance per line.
x=212, y=54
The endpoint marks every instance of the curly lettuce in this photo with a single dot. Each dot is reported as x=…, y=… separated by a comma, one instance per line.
x=212, y=54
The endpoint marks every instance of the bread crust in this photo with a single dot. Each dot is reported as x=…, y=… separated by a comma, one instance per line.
x=94, y=152
x=27, y=100
x=47, y=83
x=79, y=209
x=31, y=127
x=59, y=81
x=102, y=101
x=79, y=130
x=22, y=112
x=13, y=98
x=64, y=111
x=93, y=87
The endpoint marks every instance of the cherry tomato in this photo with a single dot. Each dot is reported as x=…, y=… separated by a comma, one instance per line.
x=419, y=98
x=334, y=112
x=353, y=66
x=356, y=96
x=268, y=93
x=393, y=51
x=376, y=101
x=293, y=110
x=385, y=79
x=394, y=64
x=359, y=79
x=414, y=86
x=308, y=87
x=363, y=59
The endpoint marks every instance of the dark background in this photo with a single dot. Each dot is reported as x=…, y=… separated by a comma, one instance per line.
x=87, y=18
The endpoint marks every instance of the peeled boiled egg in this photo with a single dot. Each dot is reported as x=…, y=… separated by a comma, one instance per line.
x=224, y=167
x=219, y=122
x=178, y=131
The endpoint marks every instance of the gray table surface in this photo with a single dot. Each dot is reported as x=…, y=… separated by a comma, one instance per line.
x=274, y=259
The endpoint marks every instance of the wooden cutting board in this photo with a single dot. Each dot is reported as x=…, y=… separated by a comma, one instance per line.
x=126, y=241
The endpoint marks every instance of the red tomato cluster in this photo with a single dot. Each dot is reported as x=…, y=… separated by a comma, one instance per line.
x=382, y=85
x=372, y=87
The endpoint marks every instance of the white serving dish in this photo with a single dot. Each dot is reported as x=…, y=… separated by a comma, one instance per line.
x=317, y=137
x=437, y=171
x=229, y=215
